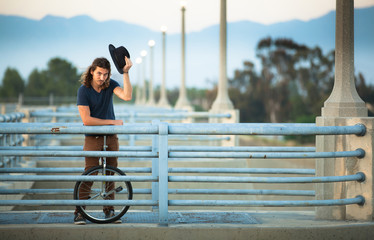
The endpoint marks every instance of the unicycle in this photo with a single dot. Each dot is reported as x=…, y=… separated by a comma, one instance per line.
x=103, y=190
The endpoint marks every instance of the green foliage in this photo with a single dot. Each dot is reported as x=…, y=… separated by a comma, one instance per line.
x=61, y=79
x=294, y=80
x=293, y=83
x=197, y=97
x=246, y=94
x=303, y=139
x=173, y=96
x=366, y=92
x=13, y=85
x=37, y=85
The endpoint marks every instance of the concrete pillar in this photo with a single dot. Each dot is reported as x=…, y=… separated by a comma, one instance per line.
x=344, y=100
x=223, y=101
x=27, y=119
x=345, y=107
x=138, y=99
x=364, y=165
x=144, y=93
x=3, y=109
x=163, y=102
x=51, y=99
x=151, y=100
x=182, y=102
x=235, y=117
x=346, y=166
x=20, y=100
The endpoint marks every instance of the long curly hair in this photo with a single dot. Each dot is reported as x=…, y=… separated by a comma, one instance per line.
x=86, y=78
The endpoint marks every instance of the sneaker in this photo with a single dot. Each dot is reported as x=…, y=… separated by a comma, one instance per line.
x=111, y=214
x=79, y=219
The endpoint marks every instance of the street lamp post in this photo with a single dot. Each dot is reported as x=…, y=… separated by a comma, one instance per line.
x=182, y=102
x=344, y=82
x=144, y=95
x=222, y=101
x=138, y=99
x=223, y=104
x=163, y=102
x=151, y=101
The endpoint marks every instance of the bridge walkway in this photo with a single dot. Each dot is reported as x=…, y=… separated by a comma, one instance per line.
x=184, y=225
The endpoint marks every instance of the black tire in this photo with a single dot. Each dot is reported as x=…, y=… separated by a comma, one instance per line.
x=122, y=191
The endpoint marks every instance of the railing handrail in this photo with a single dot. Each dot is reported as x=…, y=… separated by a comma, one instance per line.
x=136, y=114
x=174, y=148
x=147, y=154
x=183, y=129
x=68, y=178
x=297, y=203
x=170, y=170
x=175, y=191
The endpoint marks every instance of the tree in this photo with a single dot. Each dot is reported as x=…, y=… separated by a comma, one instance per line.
x=37, y=85
x=13, y=84
x=62, y=76
x=366, y=92
x=292, y=85
x=60, y=79
x=315, y=77
x=278, y=58
x=246, y=94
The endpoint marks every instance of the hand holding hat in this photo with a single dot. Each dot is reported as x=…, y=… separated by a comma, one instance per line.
x=128, y=65
x=118, y=56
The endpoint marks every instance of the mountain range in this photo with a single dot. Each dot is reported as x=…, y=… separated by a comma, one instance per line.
x=26, y=44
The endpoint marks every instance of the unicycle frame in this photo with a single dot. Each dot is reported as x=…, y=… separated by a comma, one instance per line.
x=102, y=191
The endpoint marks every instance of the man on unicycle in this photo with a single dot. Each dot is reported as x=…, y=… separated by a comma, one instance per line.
x=95, y=105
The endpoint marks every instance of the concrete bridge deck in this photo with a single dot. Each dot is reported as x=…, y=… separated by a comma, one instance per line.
x=184, y=225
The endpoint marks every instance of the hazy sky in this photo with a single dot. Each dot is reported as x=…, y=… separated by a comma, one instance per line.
x=156, y=13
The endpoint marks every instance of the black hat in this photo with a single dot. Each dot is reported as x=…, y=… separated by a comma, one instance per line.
x=118, y=56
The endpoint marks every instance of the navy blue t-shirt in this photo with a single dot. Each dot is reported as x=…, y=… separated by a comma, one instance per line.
x=101, y=104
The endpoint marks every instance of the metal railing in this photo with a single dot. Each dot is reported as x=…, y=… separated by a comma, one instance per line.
x=160, y=175
x=129, y=115
x=13, y=140
x=134, y=116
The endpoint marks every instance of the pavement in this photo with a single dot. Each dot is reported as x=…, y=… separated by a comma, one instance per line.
x=183, y=225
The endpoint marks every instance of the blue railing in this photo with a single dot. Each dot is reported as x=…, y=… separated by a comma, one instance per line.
x=128, y=115
x=160, y=153
x=134, y=116
x=10, y=139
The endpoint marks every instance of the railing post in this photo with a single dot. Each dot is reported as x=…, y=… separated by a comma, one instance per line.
x=3, y=143
x=163, y=173
x=132, y=136
x=51, y=99
x=155, y=163
x=20, y=101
